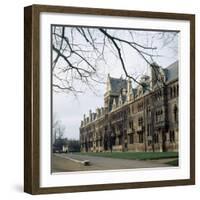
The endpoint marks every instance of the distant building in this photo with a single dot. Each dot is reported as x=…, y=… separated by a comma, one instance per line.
x=138, y=119
x=65, y=148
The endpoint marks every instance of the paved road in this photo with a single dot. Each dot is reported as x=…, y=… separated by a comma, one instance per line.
x=100, y=163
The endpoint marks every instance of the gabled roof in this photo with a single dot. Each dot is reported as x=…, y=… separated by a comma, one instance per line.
x=171, y=71
x=117, y=84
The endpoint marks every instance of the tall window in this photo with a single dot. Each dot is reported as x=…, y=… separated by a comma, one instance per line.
x=175, y=92
x=141, y=137
x=140, y=121
x=159, y=115
x=131, y=125
x=120, y=140
x=175, y=113
x=140, y=106
x=131, y=138
x=171, y=92
x=148, y=111
x=171, y=136
x=155, y=138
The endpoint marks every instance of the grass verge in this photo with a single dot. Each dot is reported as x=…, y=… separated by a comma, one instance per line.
x=134, y=155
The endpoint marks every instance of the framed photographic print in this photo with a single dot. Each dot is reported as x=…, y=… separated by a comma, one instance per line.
x=109, y=99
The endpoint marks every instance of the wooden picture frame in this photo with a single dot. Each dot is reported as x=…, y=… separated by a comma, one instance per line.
x=32, y=97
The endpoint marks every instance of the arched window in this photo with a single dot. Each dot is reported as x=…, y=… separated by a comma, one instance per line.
x=177, y=90
x=171, y=92
x=175, y=113
x=160, y=93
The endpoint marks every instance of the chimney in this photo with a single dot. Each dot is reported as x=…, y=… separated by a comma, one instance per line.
x=90, y=115
x=98, y=112
x=130, y=90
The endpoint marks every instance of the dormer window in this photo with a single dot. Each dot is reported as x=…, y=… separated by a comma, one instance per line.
x=124, y=91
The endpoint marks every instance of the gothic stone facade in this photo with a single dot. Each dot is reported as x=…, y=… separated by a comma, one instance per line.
x=141, y=119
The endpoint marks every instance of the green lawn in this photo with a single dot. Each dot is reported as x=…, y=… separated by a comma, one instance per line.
x=134, y=155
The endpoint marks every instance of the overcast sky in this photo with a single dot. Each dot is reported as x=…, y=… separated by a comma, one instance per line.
x=70, y=109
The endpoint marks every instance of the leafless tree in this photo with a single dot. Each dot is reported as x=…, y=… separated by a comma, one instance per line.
x=79, y=53
x=58, y=129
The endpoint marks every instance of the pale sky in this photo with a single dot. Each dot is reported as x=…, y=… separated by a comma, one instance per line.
x=70, y=109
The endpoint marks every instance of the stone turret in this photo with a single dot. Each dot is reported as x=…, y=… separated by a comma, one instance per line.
x=129, y=90
x=114, y=105
x=108, y=86
x=154, y=73
x=120, y=102
x=157, y=75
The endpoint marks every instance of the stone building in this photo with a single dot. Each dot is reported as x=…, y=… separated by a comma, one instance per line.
x=140, y=119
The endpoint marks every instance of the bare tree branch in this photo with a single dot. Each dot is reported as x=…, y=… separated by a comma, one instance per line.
x=78, y=52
